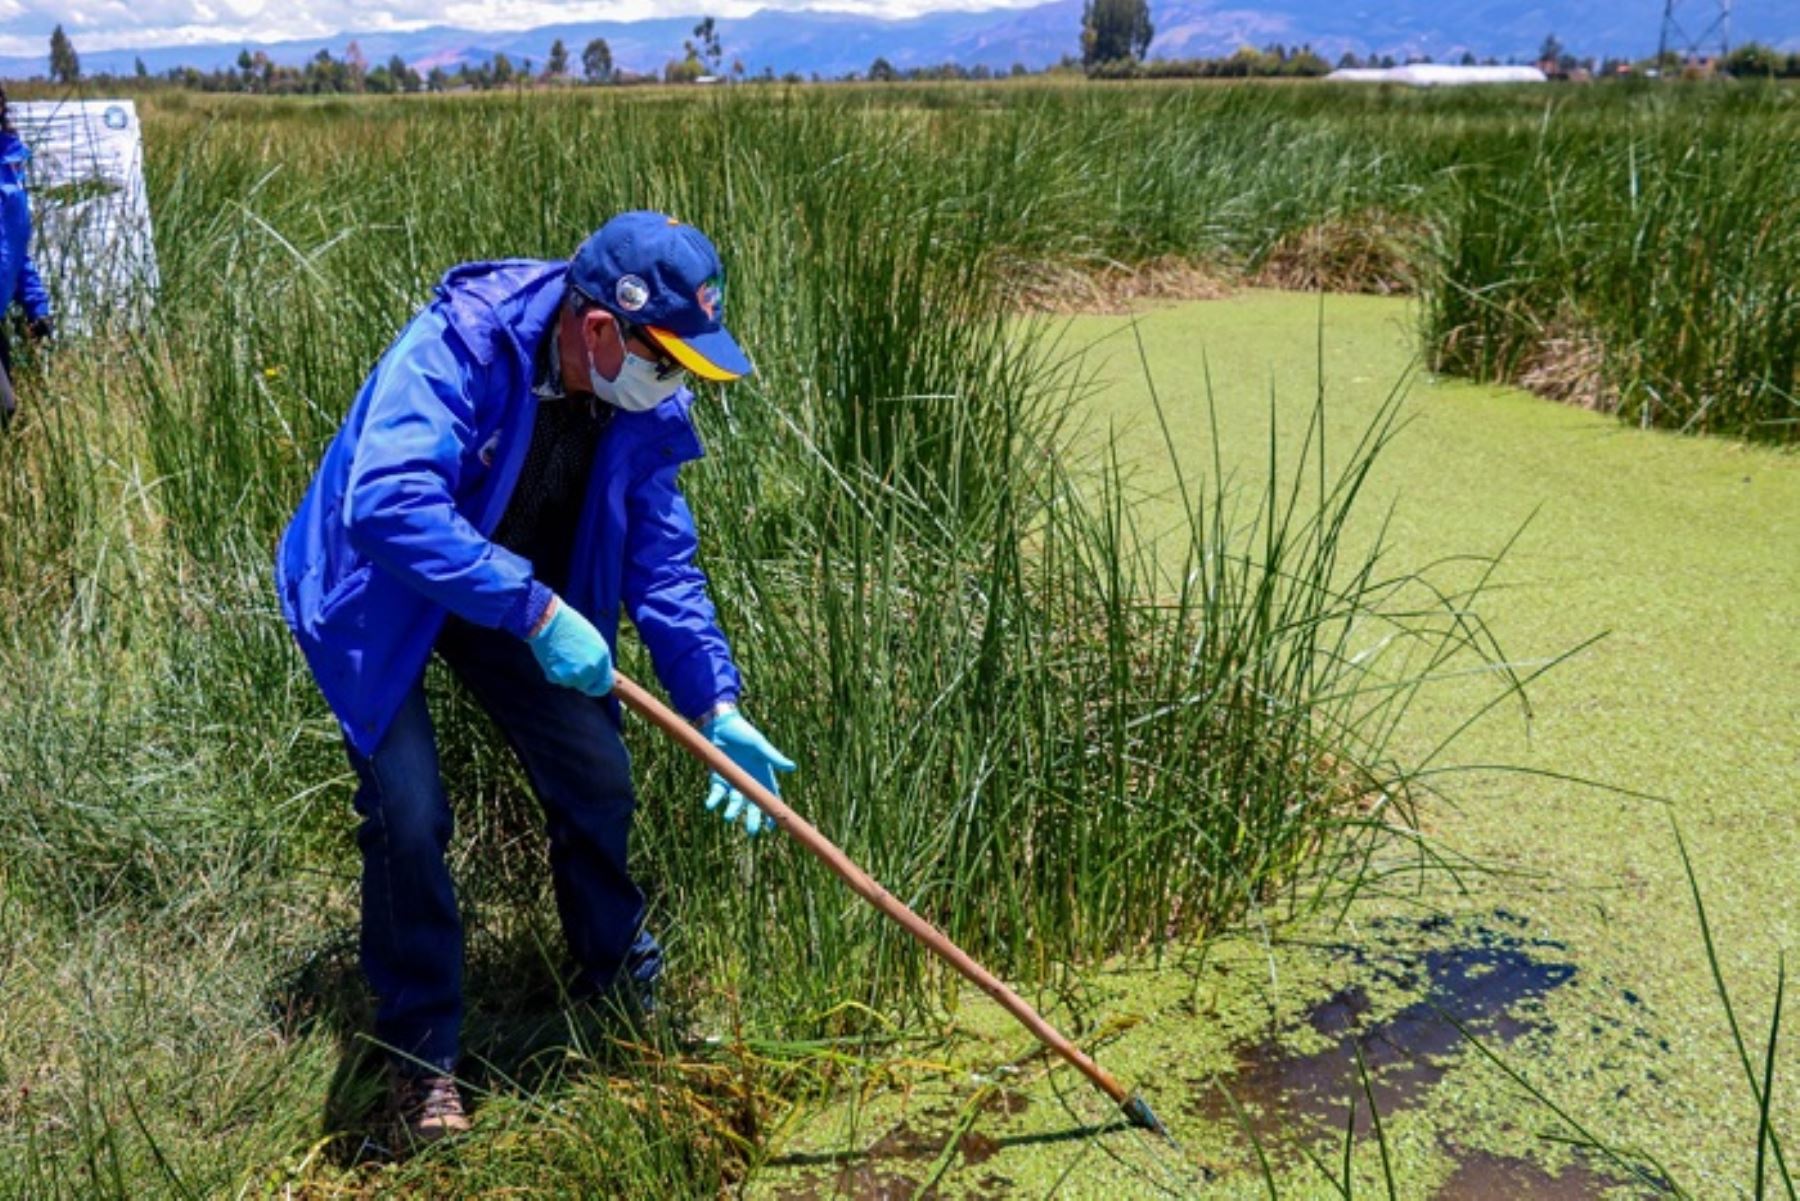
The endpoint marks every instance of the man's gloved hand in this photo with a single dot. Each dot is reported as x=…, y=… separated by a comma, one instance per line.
x=734, y=735
x=39, y=329
x=572, y=652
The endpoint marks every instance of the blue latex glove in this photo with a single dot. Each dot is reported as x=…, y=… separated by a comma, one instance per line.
x=572, y=652
x=734, y=735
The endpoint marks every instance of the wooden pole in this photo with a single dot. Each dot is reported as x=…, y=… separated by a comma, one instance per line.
x=934, y=940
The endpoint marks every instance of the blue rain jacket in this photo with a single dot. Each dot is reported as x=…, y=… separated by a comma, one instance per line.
x=393, y=533
x=19, y=279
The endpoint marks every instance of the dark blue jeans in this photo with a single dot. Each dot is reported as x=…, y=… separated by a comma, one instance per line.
x=571, y=749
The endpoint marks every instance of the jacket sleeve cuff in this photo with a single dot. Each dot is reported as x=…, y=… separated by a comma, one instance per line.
x=725, y=704
x=528, y=610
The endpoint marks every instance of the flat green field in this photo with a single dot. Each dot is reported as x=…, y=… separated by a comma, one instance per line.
x=1685, y=554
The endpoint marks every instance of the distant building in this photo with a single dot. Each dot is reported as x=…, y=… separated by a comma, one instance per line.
x=1438, y=75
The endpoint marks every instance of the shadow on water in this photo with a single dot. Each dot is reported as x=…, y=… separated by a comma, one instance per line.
x=1482, y=1176
x=1492, y=983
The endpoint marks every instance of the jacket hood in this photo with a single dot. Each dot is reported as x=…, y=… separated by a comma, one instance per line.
x=502, y=305
x=13, y=150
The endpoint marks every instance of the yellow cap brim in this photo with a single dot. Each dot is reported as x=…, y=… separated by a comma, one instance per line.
x=692, y=359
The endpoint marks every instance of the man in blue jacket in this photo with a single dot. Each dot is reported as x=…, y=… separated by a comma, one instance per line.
x=19, y=279
x=504, y=484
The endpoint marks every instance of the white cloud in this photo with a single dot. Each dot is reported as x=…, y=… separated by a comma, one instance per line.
x=142, y=24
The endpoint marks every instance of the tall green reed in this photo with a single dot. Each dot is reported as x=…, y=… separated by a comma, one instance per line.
x=1645, y=253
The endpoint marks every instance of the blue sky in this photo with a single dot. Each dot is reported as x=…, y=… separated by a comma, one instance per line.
x=25, y=25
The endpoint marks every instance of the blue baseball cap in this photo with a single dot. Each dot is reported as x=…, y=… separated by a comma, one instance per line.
x=653, y=271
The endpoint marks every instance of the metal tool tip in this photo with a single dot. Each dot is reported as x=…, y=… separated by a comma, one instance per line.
x=1139, y=1113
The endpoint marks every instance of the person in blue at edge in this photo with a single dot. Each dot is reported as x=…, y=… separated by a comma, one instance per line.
x=503, y=485
x=19, y=279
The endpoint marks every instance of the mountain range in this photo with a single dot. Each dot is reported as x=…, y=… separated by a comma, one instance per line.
x=834, y=43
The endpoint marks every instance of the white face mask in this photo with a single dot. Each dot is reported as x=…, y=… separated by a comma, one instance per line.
x=638, y=388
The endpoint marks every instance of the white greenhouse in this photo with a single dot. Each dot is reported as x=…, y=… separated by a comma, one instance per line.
x=1437, y=75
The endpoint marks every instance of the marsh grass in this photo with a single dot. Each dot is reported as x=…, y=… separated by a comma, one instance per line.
x=1659, y=238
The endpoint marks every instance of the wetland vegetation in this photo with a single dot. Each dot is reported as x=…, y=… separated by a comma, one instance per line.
x=1089, y=677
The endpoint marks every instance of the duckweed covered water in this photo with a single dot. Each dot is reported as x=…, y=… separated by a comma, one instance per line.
x=1685, y=555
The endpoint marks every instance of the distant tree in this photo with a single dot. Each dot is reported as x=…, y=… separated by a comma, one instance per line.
x=882, y=71
x=405, y=78
x=1551, y=51
x=1304, y=64
x=943, y=71
x=705, y=45
x=1348, y=61
x=597, y=62
x=684, y=70
x=357, y=62
x=1019, y=69
x=502, y=70
x=246, y=66
x=1114, y=31
x=1468, y=59
x=437, y=80
x=139, y=69
x=325, y=74
x=1753, y=59
x=1249, y=62
x=65, y=64
x=558, y=62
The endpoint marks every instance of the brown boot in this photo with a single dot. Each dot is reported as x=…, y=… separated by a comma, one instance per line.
x=428, y=1108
